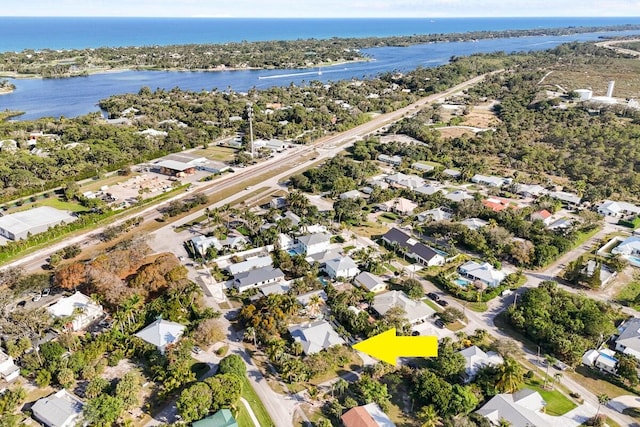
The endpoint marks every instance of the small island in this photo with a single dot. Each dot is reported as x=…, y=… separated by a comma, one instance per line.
x=6, y=87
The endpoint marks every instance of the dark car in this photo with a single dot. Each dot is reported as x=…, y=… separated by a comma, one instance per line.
x=433, y=296
x=442, y=302
x=439, y=323
x=415, y=333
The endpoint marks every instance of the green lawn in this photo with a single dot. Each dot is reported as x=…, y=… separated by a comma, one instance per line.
x=53, y=202
x=628, y=294
x=432, y=304
x=256, y=404
x=242, y=416
x=557, y=403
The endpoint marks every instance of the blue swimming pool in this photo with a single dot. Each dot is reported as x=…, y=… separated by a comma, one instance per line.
x=633, y=260
x=462, y=282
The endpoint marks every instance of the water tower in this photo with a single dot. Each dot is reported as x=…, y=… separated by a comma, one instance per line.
x=612, y=83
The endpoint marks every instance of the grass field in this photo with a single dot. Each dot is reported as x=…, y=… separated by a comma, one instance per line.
x=215, y=152
x=628, y=294
x=53, y=202
x=242, y=416
x=557, y=403
x=256, y=404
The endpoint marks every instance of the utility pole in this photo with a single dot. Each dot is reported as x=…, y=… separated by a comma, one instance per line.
x=250, y=116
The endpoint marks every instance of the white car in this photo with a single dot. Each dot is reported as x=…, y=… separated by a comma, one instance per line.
x=36, y=297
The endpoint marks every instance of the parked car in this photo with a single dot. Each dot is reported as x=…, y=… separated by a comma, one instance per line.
x=442, y=302
x=36, y=297
x=196, y=349
x=415, y=333
x=439, y=323
x=433, y=296
x=46, y=292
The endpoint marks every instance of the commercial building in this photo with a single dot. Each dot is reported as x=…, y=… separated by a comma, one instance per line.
x=33, y=221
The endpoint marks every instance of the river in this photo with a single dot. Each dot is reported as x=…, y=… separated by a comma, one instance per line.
x=77, y=96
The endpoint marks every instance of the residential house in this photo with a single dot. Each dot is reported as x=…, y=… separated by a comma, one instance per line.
x=274, y=288
x=257, y=277
x=496, y=204
x=476, y=359
x=161, y=333
x=278, y=202
x=202, y=243
x=561, y=224
x=304, y=299
x=370, y=282
x=606, y=275
x=452, y=173
x=295, y=219
x=458, y=196
x=474, y=223
x=353, y=194
x=437, y=214
x=628, y=340
x=430, y=189
x=414, y=249
x=492, y=181
x=484, y=272
x=612, y=208
x=234, y=242
x=416, y=311
x=391, y=160
x=249, y=264
x=286, y=243
x=316, y=336
x=342, y=266
x=369, y=415
x=422, y=167
x=405, y=181
x=628, y=247
x=78, y=308
x=569, y=200
x=530, y=190
x=8, y=370
x=314, y=243
x=520, y=409
x=61, y=409
x=542, y=215
x=222, y=418
x=399, y=205
x=602, y=359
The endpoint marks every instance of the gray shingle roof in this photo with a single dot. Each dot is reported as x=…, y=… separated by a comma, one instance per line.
x=315, y=336
x=57, y=410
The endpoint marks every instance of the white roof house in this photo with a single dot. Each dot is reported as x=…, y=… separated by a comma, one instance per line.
x=569, y=199
x=483, y=272
x=79, y=308
x=353, y=194
x=314, y=243
x=628, y=341
x=249, y=264
x=316, y=336
x=430, y=189
x=416, y=311
x=474, y=223
x=8, y=370
x=399, y=205
x=458, y=196
x=370, y=282
x=437, y=214
x=521, y=409
x=406, y=181
x=530, y=190
x=342, y=266
x=422, y=167
x=392, y=160
x=19, y=225
x=161, y=333
x=202, y=243
x=476, y=359
x=452, y=173
x=629, y=246
x=602, y=359
x=492, y=181
x=61, y=409
x=612, y=208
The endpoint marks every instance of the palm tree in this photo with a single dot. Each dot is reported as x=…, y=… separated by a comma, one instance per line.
x=510, y=376
x=603, y=399
x=313, y=306
x=250, y=333
x=340, y=386
x=428, y=416
x=504, y=423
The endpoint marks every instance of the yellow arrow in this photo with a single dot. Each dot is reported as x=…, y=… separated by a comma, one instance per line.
x=388, y=347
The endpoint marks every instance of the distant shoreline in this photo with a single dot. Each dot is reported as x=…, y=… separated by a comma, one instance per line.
x=86, y=73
